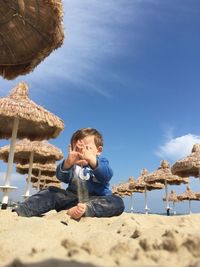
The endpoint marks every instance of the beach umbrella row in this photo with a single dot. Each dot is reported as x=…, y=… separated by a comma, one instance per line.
x=22, y=118
x=44, y=181
x=38, y=170
x=29, y=152
x=126, y=189
x=164, y=175
x=142, y=184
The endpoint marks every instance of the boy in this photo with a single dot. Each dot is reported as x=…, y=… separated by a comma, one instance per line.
x=87, y=175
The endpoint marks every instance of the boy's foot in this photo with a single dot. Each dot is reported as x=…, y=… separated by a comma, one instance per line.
x=77, y=212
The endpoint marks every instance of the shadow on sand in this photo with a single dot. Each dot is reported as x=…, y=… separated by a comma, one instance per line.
x=50, y=263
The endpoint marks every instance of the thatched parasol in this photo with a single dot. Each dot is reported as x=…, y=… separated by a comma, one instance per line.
x=172, y=197
x=141, y=184
x=27, y=151
x=20, y=117
x=127, y=189
x=42, y=182
x=29, y=32
x=43, y=152
x=42, y=185
x=44, y=179
x=116, y=192
x=189, y=166
x=38, y=169
x=164, y=175
x=188, y=195
x=48, y=168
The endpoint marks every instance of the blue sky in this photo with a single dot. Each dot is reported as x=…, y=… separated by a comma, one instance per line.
x=129, y=68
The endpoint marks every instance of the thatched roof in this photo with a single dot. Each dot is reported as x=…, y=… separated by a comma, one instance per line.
x=48, y=169
x=30, y=31
x=116, y=192
x=42, y=185
x=188, y=195
x=190, y=165
x=44, y=179
x=124, y=187
x=172, y=197
x=127, y=188
x=140, y=183
x=43, y=152
x=163, y=173
x=36, y=123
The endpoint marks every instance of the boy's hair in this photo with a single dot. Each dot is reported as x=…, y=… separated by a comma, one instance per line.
x=82, y=133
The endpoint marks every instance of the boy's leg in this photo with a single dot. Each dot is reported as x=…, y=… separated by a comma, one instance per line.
x=46, y=200
x=104, y=206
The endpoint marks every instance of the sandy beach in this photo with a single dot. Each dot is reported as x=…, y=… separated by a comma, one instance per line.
x=127, y=240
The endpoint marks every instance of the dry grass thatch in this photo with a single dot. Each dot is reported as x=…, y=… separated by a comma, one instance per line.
x=163, y=173
x=189, y=166
x=140, y=183
x=48, y=169
x=127, y=188
x=172, y=197
x=44, y=179
x=43, y=186
x=35, y=122
x=43, y=152
x=29, y=32
x=188, y=195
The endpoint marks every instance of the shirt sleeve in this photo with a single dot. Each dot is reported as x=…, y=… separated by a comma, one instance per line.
x=103, y=173
x=64, y=175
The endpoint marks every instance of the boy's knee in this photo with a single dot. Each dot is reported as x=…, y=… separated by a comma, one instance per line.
x=122, y=206
x=119, y=204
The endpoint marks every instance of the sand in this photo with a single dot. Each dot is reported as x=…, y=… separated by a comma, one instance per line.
x=127, y=240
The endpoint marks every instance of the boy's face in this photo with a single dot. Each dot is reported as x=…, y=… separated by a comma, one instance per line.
x=87, y=143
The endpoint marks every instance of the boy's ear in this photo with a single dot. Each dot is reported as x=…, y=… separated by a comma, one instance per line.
x=99, y=150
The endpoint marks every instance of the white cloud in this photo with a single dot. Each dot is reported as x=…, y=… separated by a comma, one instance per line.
x=177, y=148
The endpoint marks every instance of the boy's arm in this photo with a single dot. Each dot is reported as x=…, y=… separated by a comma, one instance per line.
x=64, y=175
x=103, y=172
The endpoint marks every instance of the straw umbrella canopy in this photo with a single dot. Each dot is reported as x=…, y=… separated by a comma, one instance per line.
x=42, y=185
x=141, y=184
x=44, y=179
x=38, y=169
x=190, y=165
x=188, y=195
x=48, y=168
x=29, y=32
x=164, y=175
x=116, y=192
x=19, y=118
x=127, y=189
x=172, y=198
x=27, y=151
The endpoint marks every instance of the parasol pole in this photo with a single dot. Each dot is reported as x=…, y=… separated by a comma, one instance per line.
x=145, y=197
x=131, y=203
x=27, y=193
x=174, y=207
x=199, y=174
x=7, y=188
x=167, y=202
x=190, y=212
x=39, y=177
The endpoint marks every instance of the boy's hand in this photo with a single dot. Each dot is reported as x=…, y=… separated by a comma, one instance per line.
x=81, y=155
x=88, y=155
x=73, y=157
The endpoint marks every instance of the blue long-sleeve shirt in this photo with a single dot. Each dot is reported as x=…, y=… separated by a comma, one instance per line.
x=98, y=182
